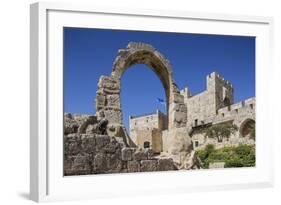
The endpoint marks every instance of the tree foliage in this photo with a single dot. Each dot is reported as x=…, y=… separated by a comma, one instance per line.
x=252, y=131
x=221, y=131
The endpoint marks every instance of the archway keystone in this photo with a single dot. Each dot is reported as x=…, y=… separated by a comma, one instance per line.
x=108, y=103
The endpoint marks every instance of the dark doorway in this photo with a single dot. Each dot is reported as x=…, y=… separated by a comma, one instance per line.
x=146, y=144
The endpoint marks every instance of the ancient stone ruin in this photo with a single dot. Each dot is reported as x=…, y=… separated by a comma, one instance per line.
x=101, y=144
x=108, y=94
x=86, y=151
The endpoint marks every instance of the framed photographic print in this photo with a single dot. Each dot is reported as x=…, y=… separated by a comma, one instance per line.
x=128, y=102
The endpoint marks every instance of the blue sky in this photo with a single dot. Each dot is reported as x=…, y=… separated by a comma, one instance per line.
x=89, y=53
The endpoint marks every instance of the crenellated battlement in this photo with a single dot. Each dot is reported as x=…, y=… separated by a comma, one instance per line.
x=249, y=103
x=214, y=77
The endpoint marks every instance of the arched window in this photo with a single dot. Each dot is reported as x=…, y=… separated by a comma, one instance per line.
x=226, y=101
x=146, y=144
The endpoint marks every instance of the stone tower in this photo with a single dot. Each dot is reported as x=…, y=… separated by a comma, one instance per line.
x=203, y=107
x=221, y=90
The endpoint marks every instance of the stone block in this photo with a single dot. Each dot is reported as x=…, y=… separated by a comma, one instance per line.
x=102, y=141
x=81, y=164
x=108, y=83
x=113, y=116
x=113, y=162
x=67, y=165
x=113, y=100
x=148, y=165
x=149, y=153
x=140, y=154
x=178, y=141
x=91, y=129
x=127, y=154
x=112, y=147
x=88, y=144
x=114, y=130
x=72, y=146
x=100, y=101
x=133, y=166
x=178, y=98
x=70, y=126
x=216, y=165
x=166, y=164
x=180, y=117
x=100, y=163
x=85, y=121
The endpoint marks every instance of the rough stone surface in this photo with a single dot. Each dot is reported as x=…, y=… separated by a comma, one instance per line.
x=149, y=153
x=166, y=164
x=114, y=163
x=108, y=93
x=70, y=125
x=127, y=154
x=78, y=123
x=179, y=142
x=113, y=146
x=102, y=141
x=216, y=165
x=101, y=154
x=194, y=112
x=91, y=129
x=72, y=144
x=133, y=166
x=148, y=165
x=100, y=163
x=88, y=143
x=140, y=154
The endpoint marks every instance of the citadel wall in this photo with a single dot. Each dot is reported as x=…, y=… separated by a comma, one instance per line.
x=156, y=120
x=203, y=107
x=238, y=114
x=212, y=106
x=147, y=129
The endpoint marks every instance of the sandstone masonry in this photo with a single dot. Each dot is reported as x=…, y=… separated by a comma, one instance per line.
x=100, y=144
x=212, y=106
x=101, y=154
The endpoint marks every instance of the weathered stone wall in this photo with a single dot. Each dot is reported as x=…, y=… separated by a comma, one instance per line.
x=203, y=107
x=156, y=120
x=232, y=141
x=200, y=109
x=86, y=152
x=165, y=140
x=108, y=100
x=142, y=128
x=100, y=154
x=153, y=136
x=215, y=104
x=238, y=114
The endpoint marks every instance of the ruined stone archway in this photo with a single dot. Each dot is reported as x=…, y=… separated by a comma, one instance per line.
x=108, y=103
x=246, y=126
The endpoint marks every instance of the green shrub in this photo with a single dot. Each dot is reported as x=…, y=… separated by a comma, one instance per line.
x=240, y=156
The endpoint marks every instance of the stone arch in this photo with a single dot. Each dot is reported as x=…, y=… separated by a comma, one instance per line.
x=108, y=94
x=245, y=126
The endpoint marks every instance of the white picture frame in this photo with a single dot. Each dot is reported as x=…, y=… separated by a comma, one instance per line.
x=46, y=177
